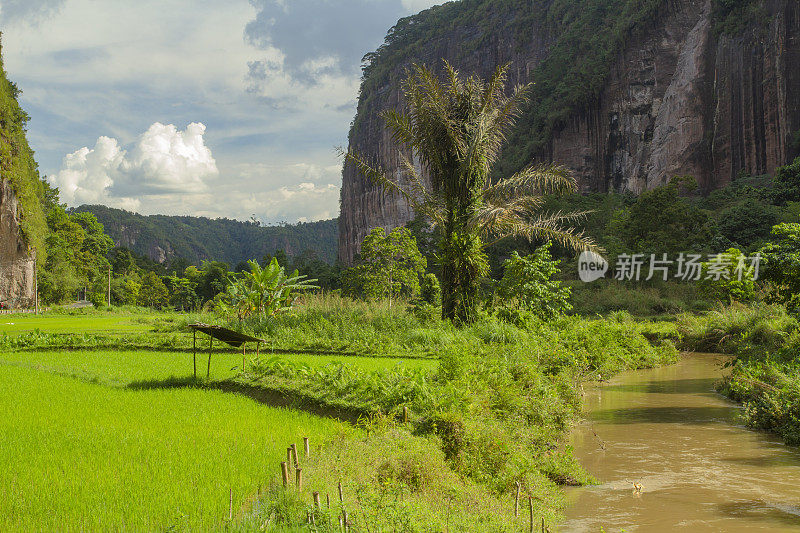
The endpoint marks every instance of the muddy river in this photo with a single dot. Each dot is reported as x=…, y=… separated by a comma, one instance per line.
x=699, y=469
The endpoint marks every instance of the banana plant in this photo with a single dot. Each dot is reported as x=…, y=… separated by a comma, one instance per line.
x=265, y=292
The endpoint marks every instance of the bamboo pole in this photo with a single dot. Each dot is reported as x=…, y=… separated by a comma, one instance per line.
x=298, y=475
x=307, y=447
x=295, y=456
x=317, y=504
x=285, y=474
x=244, y=357
x=194, y=352
x=341, y=496
x=210, y=347
x=230, y=505
x=516, y=501
x=530, y=506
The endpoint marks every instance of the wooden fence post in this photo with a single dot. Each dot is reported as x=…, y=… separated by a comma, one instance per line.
x=194, y=352
x=210, y=347
x=306, y=446
x=285, y=473
x=299, y=479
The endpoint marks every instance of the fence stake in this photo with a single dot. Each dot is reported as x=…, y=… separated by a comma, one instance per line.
x=299, y=479
x=295, y=456
x=530, y=504
x=285, y=474
x=306, y=446
x=210, y=346
x=244, y=357
x=289, y=455
x=341, y=497
x=194, y=352
x=516, y=501
x=328, y=500
x=316, y=501
x=230, y=505
x=405, y=414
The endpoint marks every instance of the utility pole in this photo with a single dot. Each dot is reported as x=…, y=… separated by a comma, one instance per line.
x=109, y=285
x=35, y=285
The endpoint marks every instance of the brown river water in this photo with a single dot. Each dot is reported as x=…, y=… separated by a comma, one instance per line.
x=700, y=470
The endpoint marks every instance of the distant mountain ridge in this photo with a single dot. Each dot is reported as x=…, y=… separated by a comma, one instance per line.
x=163, y=238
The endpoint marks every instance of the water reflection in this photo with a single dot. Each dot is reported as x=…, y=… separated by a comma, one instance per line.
x=668, y=430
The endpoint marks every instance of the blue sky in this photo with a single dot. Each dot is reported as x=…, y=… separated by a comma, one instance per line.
x=203, y=107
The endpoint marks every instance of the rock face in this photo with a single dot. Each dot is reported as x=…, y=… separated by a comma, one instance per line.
x=679, y=99
x=17, y=264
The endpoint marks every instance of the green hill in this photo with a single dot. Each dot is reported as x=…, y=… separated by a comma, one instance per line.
x=164, y=238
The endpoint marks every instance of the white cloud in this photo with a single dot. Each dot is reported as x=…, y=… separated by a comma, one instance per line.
x=163, y=161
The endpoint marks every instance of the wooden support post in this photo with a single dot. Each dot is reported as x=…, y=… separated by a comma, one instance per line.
x=285, y=474
x=544, y=529
x=516, y=501
x=258, y=349
x=346, y=521
x=289, y=459
x=295, y=456
x=194, y=352
x=306, y=446
x=405, y=414
x=210, y=347
x=530, y=505
x=230, y=506
x=317, y=504
x=341, y=497
x=109, y=285
x=328, y=500
x=244, y=357
x=298, y=477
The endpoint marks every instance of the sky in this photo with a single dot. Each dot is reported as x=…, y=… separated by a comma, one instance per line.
x=218, y=108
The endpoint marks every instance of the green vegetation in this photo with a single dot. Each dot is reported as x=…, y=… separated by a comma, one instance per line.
x=198, y=239
x=18, y=166
x=77, y=456
x=456, y=128
x=389, y=266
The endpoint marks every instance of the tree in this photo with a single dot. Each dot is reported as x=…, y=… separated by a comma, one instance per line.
x=528, y=284
x=661, y=221
x=787, y=183
x=153, y=292
x=781, y=262
x=456, y=130
x=391, y=265
x=728, y=277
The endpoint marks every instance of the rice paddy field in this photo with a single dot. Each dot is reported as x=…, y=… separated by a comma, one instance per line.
x=104, y=438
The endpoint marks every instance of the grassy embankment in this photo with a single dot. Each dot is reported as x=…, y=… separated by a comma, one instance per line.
x=765, y=375
x=116, y=434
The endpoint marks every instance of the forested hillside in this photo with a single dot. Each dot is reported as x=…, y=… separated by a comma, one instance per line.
x=627, y=93
x=164, y=238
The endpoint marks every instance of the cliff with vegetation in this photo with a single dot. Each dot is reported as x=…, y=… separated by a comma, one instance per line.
x=163, y=238
x=22, y=223
x=628, y=92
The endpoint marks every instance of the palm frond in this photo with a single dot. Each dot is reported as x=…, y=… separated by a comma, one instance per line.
x=536, y=180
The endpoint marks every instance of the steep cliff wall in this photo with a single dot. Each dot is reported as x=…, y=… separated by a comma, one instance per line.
x=674, y=97
x=16, y=263
x=22, y=220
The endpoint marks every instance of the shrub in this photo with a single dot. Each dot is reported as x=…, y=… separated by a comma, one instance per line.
x=528, y=284
x=729, y=277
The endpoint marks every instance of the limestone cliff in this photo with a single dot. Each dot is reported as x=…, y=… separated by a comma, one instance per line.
x=16, y=263
x=676, y=96
x=22, y=222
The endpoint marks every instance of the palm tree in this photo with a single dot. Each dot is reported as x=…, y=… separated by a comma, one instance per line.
x=455, y=130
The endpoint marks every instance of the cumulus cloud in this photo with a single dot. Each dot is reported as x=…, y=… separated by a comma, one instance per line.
x=162, y=161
